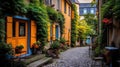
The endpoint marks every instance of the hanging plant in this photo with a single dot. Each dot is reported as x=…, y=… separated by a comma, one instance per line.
x=52, y=13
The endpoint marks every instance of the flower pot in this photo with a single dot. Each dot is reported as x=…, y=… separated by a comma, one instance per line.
x=17, y=51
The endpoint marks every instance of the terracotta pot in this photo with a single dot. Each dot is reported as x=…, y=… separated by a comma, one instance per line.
x=17, y=51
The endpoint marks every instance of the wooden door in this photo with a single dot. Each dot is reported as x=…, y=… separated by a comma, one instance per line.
x=21, y=33
x=17, y=32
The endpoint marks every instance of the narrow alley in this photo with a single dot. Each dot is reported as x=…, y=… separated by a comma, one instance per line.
x=75, y=57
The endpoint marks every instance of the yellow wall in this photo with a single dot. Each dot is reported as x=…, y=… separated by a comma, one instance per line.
x=67, y=33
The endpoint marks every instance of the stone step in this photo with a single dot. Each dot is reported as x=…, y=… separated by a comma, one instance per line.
x=33, y=58
x=40, y=62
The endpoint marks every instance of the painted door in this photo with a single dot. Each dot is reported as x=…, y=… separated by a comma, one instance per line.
x=17, y=32
x=21, y=33
x=57, y=32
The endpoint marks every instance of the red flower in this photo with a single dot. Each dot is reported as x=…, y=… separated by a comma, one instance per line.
x=106, y=21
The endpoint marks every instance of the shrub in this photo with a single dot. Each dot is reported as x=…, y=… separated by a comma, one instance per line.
x=5, y=48
x=62, y=40
x=55, y=45
x=19, y=47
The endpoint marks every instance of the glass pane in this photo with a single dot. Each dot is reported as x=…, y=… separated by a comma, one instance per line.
x=21, y=29
x=85, y=11
x=13, y=29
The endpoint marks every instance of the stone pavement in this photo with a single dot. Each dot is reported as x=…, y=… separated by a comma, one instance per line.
x=74, y=57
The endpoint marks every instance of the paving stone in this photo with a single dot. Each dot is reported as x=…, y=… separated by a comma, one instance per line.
x=74, y=57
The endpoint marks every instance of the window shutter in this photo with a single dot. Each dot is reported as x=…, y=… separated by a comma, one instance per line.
x=9, y=22
x=33, y=32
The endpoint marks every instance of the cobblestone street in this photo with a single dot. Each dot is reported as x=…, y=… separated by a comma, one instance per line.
x=75, y=57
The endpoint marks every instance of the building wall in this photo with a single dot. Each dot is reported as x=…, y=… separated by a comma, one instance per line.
x=87, y=8
x=59, y=6
x=67, y=30
x=116, y=33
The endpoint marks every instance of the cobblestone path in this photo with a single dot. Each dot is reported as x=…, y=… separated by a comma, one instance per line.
x=75, y=57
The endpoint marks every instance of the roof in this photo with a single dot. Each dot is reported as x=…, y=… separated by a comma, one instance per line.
x=86, y=5
x=75, y=1
x=85, y=1
x=69, y=1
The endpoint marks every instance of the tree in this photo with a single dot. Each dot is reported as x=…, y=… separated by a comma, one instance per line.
x=83, y=29
x=91, y=20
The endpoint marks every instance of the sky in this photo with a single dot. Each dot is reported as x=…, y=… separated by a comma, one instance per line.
x=85, y=1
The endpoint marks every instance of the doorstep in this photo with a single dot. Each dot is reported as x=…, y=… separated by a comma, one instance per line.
x=40, y=62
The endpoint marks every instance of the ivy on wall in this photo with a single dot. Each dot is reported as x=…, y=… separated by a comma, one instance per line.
x=2, y=30
x=9, y=7
x=57, y=17
x=52, y=13
x=73, y=26
x=111, y=8
x=13, y=7
x=38, y=12
x=61, y=21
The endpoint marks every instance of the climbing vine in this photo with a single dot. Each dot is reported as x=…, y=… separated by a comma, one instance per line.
x=73, y=26
x=38, y=12
x=10, y=7
x=57, y=17
x=61, y=21
x=2, y=30
x=13, y=7
x=52, y=13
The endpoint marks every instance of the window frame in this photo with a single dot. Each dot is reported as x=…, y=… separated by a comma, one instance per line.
x=22, y=27
x=65, y=7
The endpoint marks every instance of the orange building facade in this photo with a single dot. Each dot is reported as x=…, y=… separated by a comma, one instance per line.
x=66, y=11
x=64, y=6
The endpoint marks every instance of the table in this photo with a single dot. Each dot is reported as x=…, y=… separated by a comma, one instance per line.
x=114, y=55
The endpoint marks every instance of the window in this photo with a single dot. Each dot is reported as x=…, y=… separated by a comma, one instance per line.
x=65, y=7
x=13, y=29
x=58, y=2
x=69, y=11
x=81, y=11
x=85, y=11
x=92, y=11
x=50, y=2
x=21, y=29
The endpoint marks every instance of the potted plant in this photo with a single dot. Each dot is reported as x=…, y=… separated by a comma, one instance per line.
x=62, y=43
x=35, y=47
x=36, y=44
x=55, y=47
x=62, y=40
x=18, y=49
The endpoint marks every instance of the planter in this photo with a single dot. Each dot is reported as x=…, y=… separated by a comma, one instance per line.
x=56, y=51
x=17, y=51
